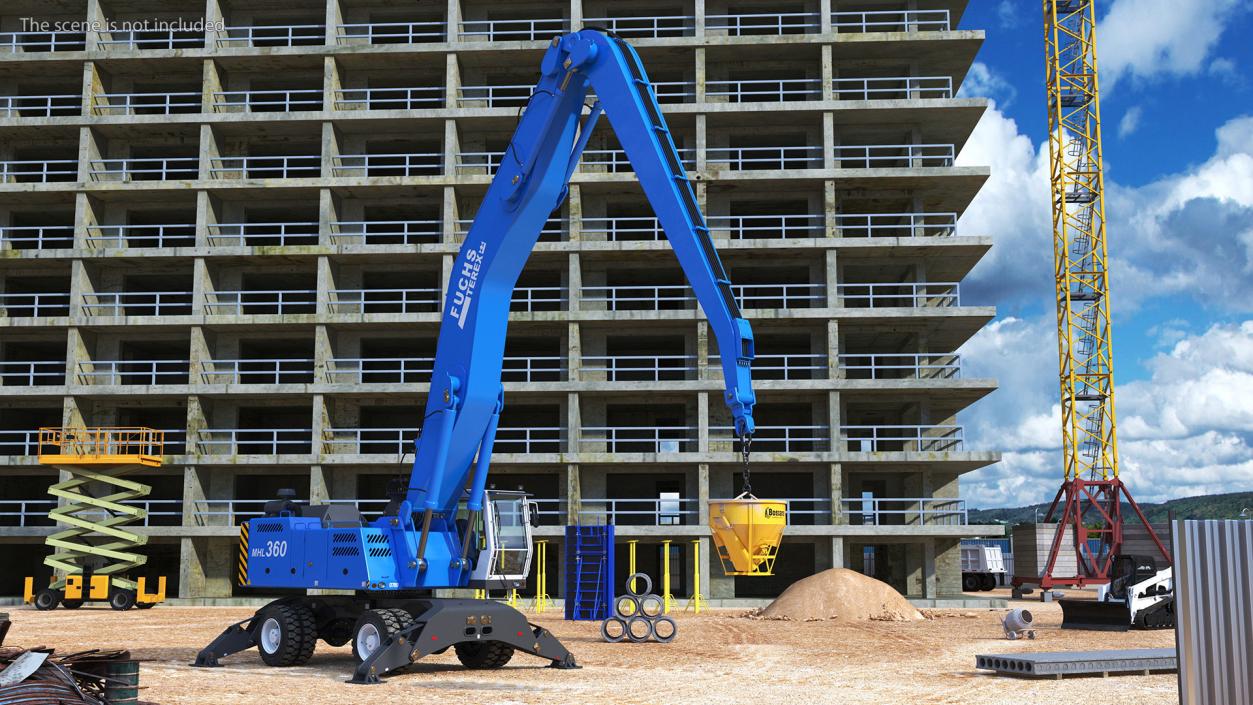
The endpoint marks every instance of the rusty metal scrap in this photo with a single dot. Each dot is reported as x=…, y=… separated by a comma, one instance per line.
x=74, y=679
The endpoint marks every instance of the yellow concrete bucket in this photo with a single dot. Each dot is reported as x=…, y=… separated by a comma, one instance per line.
x=747, y=532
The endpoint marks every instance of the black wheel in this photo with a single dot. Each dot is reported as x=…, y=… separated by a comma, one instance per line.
x=337, y=632
x=613, y=630
x=482, y=655
x=626, y=606
x=145, y=605
x=970, y=582
x=287, y=635
x=639, y=629
x=373, y=628
x=121, y=600
x=47, y=599
x=664, y=629
x=71, y=604
x=987, y=582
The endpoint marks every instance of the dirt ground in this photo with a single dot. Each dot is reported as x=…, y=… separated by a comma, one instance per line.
x=718, y=657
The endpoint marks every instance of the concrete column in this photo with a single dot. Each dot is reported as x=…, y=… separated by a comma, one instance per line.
x=331, y=149
x=832, y=280
x=702, y=350
x=334, y=18
x=576, y=14
x=838, y=552
x=829, y=140
x=209, y=151
x=574, y=282
x=702, y=423
x=702, y=495
x=574, y=422
x=699, y=78
x=452, y=87
x=449, y=212
x=702, y=144
x=319, y=484
x=92, y=85
x=699, y=6
x=214, y=19
x=332, y=82
x=828, y=62
x=836, y=475
x=832, y=350
x=824, y=20
x=930, y=581
x=320, y=423
x=454, y=21
x=202, y=287
x=325, y=284
x=574, y=352
x=574, y=209
x=95, y=15
x=574, y=493
x=77, y=352
x=199, y=356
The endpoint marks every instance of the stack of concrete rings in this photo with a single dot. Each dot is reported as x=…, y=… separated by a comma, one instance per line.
x=638, y=616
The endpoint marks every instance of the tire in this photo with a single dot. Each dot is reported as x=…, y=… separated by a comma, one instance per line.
x=145, y=605
x=652, y=606
x=648, y=584
x=373, y=628
x=121, y=600
x=626, y=606
x=987, y=582
x=71, y=604
x=483, y=655
x=970, y=582
x=287, y=635
x=336, y=632
x=47, y=599
x=634, y=625
x=665, y=634
x=613, y=630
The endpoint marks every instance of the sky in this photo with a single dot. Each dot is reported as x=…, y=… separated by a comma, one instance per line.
x=1177, y=123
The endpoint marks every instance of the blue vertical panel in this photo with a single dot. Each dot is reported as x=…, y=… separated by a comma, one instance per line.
x=589, y=572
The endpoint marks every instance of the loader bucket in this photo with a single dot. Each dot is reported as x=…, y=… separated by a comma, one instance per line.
x=746, y=533
x=1094, y=615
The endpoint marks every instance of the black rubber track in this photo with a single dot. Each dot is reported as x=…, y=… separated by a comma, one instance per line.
x=482, y=655
x=299, y=635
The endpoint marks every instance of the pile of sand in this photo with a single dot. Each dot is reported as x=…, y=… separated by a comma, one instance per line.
x=840, y=594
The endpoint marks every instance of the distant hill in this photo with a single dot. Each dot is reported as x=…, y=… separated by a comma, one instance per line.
x=1214, y=506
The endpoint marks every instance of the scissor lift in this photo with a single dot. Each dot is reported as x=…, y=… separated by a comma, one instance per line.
x=94, y=555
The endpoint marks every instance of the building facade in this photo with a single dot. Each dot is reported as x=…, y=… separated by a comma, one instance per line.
x=233, y=221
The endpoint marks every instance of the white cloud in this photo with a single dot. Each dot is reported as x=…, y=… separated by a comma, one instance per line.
x=1007, y=13
x=1149, y=39
x=1188, y=430
x=982, y=82
x=1130, y=121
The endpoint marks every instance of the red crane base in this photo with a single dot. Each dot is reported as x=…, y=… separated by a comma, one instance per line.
x=1085, y=503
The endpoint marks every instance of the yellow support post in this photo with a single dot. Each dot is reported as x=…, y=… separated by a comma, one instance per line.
x=697, y=601
x=631, y=563
x=542, y=599
x=666, y=597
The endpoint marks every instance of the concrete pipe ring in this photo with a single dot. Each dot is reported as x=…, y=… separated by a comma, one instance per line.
x=626, y=606
x=613, y=630
x=665, y=629
x=648, y=584
x=652, y=606
x=639, y=629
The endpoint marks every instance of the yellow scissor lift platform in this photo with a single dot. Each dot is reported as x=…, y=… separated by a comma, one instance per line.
x=97, y=461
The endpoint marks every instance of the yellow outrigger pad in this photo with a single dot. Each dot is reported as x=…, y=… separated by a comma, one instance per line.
x=746, y=532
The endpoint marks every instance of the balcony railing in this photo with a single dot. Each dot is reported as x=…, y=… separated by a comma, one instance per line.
x=760, y=90
x=379, y=370
x=152, y=39
x=893, y=88
x=616, y=161
x=881, y=439
x=38, y=171
x=392, y=32
x=149, y=169
x=784, y=226
x=554, y=229
x=34, y=512
x=411, y=164
x=138, y=303
x=623, y=228
x=43, y=41
x=533, y=368
x=37, y=237
x=19, y=106
x=891, y=21
x=133, y=372
x=273, y=35
x=268, y=101
x=530, y=299
x=901, y=366
x=36, y=373
x=926, y=511
x=746, y=158
x=267, y=167
x=255, y=441
x=364, y=301
x=780, y=295
x=882, y=156
x=785, y=366
x=258, y=371
x=540, y=29
x=674, y=91
x=26, y=512
x=226, y=512
x=529, y=439
x=641, y=368
x=900, y=295
x=19, y=442
x=417, y=98
x=896, y=224
x=676, y=511
x=638, y=439
x=35, y=305
x=279, y=302
x=646, y=27
x=764, y=23
x=386, y=232
x=786, y=439
x=391, y=441
x=286, y=234
x=503, y=96
x=478, y=162
x=678, y=296
x=147, y=103
x=144, y=236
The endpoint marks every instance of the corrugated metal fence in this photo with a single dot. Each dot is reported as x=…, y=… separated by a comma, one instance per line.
x=1214, y=611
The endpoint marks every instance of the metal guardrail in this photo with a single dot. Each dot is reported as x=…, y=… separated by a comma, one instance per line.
x=925, y=511
x=416, y=98
x=391, y=441
x=35, y=305
x=892, y=87
x=19, y=442
x=533, y=368
x=539, y=29
x=742, y=24
x=39, y=171
x=891, y=21
x=262, y=302
x=20, y=106
x=147, y=103
x=255, y=441
x=646, y=27
x=134, y=372
x=537, y=298
x=392, y=32
x=805, y=438
x=267, y=167
x=379, y=370
x=495, y=96
x=782, y=226
x=785, y=366
x=886, y=438
x=412, y=164
x=638, y=439
x=269, y=101
x=34, y=42
x=146, y=169
x=366, y=301
x=386, y=232
x=914, y=224
x=145, y=236
x=152, y=39
x=900, y=294
x=882, y=156
x=258, y=371
x=36, y=237
x=760, y=90
x=666, y=511
x=554, y=229
x=746, y=158
x=901, y=366
x=616, y=161
x=640, y=368
x=33, y=373
x=138, y=303
x=282, y=234
x=272, y=35
x=34, y=512
x=530, y=439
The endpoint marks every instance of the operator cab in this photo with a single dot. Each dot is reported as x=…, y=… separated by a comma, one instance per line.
x=504, y=557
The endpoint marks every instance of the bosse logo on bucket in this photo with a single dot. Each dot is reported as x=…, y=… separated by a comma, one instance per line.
x=463, y=296
x=772, y=512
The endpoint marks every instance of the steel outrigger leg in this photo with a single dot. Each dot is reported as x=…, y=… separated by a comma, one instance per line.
x=236, y=638
x=395, y=652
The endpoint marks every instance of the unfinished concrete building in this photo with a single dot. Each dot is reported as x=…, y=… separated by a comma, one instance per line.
x=234, y=223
